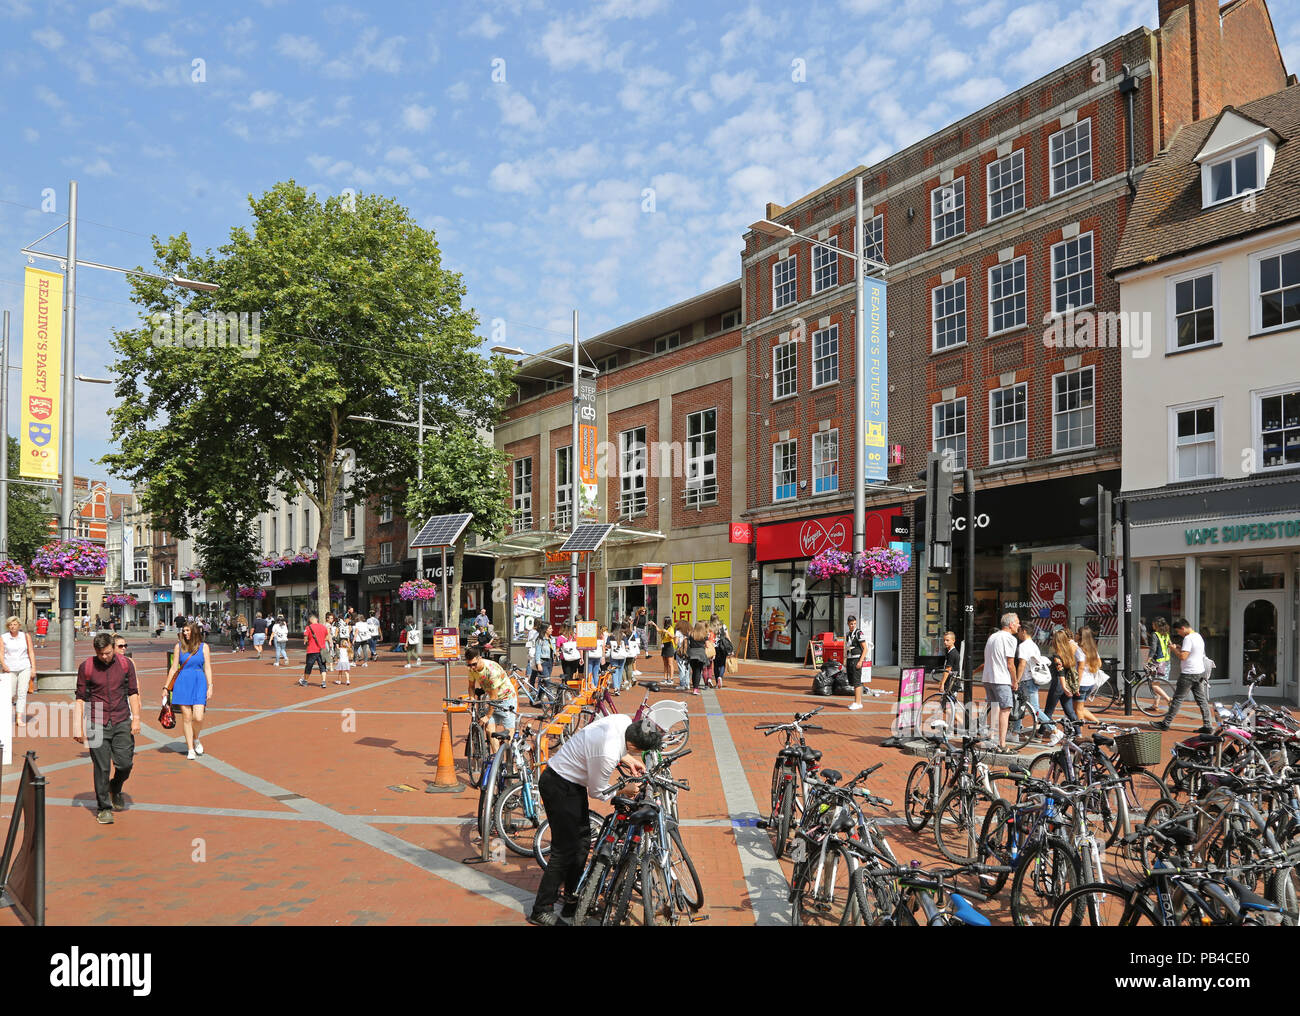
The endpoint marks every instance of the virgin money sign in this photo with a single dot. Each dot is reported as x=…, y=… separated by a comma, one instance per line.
x=806, y=538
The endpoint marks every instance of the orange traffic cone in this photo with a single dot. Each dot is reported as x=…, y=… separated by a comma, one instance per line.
x=445, y=781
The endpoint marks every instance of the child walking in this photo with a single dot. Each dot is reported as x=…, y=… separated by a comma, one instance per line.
x=344, y=663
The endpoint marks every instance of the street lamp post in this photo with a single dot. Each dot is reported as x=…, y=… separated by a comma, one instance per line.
x=858, y=255
x=67, y=587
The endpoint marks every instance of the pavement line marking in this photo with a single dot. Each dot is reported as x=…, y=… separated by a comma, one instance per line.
x=189, y=809
x=475, y=881
x=763, y=874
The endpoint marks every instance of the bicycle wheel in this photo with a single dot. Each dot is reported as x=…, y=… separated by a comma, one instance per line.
x=1280, y=888
x=593, y=897
x=1047, y=767
x=874, y=899
x=542, y=839
x=779, y=831
x=1142, y=790
x=677, y=735
x=1146, y=696
x=958, y=822
x=687, y=878
x=658, y=905
x=513, y=823
x=1107, y=696
x=917, y=796
x=1101, y=905
x=820, y=897
x=619, y=907
x=476, y=753
x=998, y=844
x=1047, y=870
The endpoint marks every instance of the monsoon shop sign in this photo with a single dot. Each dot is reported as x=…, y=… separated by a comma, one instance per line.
x=1245, y=533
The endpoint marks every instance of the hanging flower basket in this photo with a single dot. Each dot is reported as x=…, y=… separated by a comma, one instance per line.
x=249, y=593
x=12, y=574
x=828, y=564
x=119, y=600
x=274, y=562
x=193, y=573
x=418, y=589
x=70, y=559
x=881, y=563
x=557, y=588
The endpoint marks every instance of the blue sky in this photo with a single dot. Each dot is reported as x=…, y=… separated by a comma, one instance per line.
x=525, y=134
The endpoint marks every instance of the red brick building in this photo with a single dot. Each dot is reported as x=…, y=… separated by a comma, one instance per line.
x=997, y=230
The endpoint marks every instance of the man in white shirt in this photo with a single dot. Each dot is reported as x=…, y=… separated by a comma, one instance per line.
x=583, y=766
x=999, y=665
x=1191, y=654
x=1027, y=691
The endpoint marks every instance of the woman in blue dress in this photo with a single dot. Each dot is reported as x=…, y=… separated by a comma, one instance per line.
x=190, y=681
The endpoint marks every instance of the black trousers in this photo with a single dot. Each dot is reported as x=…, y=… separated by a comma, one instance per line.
x=566, y=808
x=110, y=744
x=314, y=660
x=697, y=671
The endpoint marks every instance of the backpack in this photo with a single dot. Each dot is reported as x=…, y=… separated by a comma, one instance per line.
x=1040, y=670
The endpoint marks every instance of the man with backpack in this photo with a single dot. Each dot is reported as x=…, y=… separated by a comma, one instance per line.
x=855, y=645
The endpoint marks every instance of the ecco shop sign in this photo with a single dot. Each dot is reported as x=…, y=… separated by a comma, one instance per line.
x=959, y=523
x=1244, y=534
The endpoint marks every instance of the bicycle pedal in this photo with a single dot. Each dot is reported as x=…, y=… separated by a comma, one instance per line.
x=698, y=918
x=762, y=823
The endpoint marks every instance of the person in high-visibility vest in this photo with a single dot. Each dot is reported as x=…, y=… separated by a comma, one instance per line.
x=1160, y=646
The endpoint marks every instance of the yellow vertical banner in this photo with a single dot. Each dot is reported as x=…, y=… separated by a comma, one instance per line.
x=38, y=413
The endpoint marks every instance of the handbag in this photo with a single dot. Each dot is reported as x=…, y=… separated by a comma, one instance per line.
x=710, y=651
x=166, y=718
x=733, y=665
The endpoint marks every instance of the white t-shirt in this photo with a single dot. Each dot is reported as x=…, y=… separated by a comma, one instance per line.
x=1000, y=646
x=1026, y=651
x=344, y=661
x=279, y=632
x=1194, y=647
x=588, y=757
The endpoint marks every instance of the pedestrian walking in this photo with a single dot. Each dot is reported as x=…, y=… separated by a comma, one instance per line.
x=482, y=620
x=376, y=630
x=722, y=647
x=314, y=638
x=42, y=629
x=617, y=659
x=1027, y=690
x=668, y=650
x=855, y=647
x=630, y=667
x=344, y=663
x=280, y=640
x=108, y=685
x=583, y=766
x=16, y=679
x=189, y=679
x=696, y=657
x=413, y=643
x=1065, y=678
x=681, y=635
x=596, y=658
x=999, y=665
x=1193, y=676
x=543, y=651
x=259, y=633
x=1089, y=660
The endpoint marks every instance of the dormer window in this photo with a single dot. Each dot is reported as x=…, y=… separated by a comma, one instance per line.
x=1235, y=159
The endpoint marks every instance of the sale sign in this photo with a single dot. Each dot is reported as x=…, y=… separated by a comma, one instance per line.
x=1047, y=592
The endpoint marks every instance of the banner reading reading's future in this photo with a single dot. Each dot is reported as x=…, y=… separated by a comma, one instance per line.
x=38, y=413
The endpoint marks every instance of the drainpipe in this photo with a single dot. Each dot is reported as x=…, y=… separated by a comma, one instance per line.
x=1128, y=87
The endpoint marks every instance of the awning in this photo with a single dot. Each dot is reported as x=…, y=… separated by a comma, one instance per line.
x=524, y=544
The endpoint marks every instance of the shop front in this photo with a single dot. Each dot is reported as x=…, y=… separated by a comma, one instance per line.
x=792, y=609
x=379, y=583
x=475, y=583
x=162, y=608
x=1228, y=559
x=1029, y=560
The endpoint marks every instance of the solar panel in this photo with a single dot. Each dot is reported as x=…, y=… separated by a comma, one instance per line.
x=588, y=536
x=441, y=530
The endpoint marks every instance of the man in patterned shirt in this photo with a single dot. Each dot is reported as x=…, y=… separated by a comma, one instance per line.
x=489, y=678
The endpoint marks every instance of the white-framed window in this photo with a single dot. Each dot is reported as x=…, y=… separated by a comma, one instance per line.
x=1193, y=442
x=140, y=570
x=1072, y=274
x=1277, y=427
x=563, y=488
x=1071, y=156
x=826, y=355
x=632, y=472
x=83, y=529
x=1275, y=289
x=350, y=523
x=385, y=510
x=950, y=431
x=873, y=238
x=948, y=314
x=523, y=494
x=1193, y=309
x=275, y=547
x=608, y=363
x=825, y=265
x=1231, y=176
x=785, y=282
x=948, y=211
x=291, y=544
x=83, y=601
x=667, y=342
x=1073, y=410
x=730, y=320
x=785, y=470
x=386, y=553
x=702, y=458
x=785, y=370
x=1008, y=424
x=1006, y=178
x=826, y=461
x=1007, y=308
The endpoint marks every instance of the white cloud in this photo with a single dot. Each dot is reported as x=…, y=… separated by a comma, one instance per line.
x=302, y=48
x=458, y=92
x=50, y=38
x=416, y=117
x=750, y=27
x=239, y=37
x=261, y=99
x=581, y=161
x=370, y=53
x=643, y=88
x=949, y=63
x=516, y=110
x=511, y=177
x=566, y=46
x=30, y=135
x=99, y=167
x=163, y=45
x=48, y=97
x=101, y=20
x=730, y=87
x=976, y=93
x=485, y=27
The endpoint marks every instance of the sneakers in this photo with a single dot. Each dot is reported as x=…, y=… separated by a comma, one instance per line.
x=544, y=919
x=198, y=747
x=406, y=666
x=191, y=756
x=1057, y=735
x=302, y=682
x=322, y=684
x=119, y=803
x=1159, y=725
x=855, y=705
x=104, y=817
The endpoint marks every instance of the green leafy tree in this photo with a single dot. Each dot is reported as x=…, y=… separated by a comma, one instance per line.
x=461, y=474
x=351, y=308
x=29, y=513
x=228, y=551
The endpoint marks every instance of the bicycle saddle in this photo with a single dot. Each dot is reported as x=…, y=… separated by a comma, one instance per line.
x=804, y=752
x=832, y=776
x=1248, y=897
x=1102, y=740
x=622, y=804
x=967, y=914
x=499, y=736
x=645, y=813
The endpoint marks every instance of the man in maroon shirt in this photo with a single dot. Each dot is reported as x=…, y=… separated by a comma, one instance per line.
x=107, y=684
x=314, y=639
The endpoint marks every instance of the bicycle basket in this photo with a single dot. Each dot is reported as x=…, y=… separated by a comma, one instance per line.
x=1140, y=749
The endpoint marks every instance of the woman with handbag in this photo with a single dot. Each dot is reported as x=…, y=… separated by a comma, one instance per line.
x=570, y=654
x=596, y=657
x=668, y=650
x=697, y=646
x=189, y=682
x=544, y=651
x=14, y=677
x=1065, y=678
x=722, y=649
x=1089, y=662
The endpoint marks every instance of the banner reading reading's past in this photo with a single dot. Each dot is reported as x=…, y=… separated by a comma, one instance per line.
x=38, y=419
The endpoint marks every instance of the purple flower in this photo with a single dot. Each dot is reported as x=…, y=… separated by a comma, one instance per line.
x=70, y=559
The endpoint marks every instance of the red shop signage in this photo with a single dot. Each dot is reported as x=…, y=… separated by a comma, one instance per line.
x=805, y=538
x=741, y=532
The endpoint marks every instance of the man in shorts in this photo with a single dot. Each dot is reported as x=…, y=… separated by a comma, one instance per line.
x=314, y=638
x=999, y=666
x=491, y=680
x=259, y=633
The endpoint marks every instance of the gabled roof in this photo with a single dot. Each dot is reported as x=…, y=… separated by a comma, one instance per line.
x=1167, y=219
x=1230, y=128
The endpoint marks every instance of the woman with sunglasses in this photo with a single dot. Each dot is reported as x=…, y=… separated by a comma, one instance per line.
x=189, y=678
